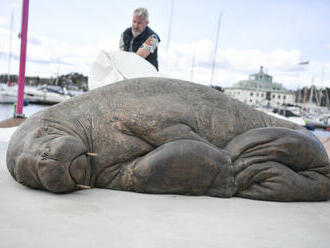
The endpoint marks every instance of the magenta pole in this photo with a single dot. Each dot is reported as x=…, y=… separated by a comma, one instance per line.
x=21, y=76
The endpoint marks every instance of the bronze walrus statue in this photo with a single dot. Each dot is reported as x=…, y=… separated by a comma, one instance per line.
x=157, y=135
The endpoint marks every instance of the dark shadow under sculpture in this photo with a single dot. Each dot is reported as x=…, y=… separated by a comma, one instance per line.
x=157, y=135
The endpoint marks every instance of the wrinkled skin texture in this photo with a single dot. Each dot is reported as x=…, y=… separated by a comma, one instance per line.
x=156, y=135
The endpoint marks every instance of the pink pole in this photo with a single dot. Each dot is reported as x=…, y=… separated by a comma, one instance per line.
x=21, y=77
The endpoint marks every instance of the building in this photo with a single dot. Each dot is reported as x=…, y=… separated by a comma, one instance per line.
x=260, y=89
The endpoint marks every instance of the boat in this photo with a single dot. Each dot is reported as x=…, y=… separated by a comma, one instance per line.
x=322, y=121
x=285, y=114
x=316, y=116
x=310, y=120
x=8, y=94
x=46, y=94
x=7, y=97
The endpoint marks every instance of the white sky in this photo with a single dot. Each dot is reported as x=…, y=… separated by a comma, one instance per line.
x=66, y=36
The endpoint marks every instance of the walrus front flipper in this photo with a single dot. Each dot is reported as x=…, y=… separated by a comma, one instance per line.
x=181, y=167
x=280, y=164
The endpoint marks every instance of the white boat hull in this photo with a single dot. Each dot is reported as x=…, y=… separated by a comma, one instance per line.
x=44, y=97
x=7, y=97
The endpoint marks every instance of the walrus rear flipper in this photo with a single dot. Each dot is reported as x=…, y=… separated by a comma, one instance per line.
x=276, y=182
x=280, y=164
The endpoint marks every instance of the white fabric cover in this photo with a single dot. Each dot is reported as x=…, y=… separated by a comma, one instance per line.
x=110, y=67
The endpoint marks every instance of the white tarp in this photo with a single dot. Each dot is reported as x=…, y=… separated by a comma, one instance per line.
x=110, y=67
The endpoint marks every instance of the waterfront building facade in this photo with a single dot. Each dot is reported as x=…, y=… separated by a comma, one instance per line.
x=260, y=89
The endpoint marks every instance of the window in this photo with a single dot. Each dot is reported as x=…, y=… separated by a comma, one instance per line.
x=279, y=96
x=251, y=94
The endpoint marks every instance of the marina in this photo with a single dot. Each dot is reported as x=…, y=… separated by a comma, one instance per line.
x=7, y=111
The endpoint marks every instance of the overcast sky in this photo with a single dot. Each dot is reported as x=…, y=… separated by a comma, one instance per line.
x=66, y=36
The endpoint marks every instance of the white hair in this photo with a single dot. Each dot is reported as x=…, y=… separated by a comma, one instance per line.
x=142, y=12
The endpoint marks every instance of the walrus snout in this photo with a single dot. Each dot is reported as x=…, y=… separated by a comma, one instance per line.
x=55, y=176
x=66, y=165
x=43, y=173
x=57, y=165
x=52, y=175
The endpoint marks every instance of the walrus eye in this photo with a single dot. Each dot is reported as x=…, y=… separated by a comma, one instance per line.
x=44, y=156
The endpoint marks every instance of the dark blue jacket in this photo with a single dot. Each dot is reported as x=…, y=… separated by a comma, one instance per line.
x=138, y=41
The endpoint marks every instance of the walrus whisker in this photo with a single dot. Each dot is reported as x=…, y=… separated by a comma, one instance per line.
x=81, y=186
x=92, y=154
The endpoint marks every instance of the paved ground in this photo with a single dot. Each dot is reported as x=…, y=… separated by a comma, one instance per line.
x=11, y=122
x=107, y=218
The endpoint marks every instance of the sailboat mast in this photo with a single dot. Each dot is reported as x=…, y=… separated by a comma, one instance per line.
x=311, y=94
x=321, y=90
x=21, y=77
x=193, y=64
x=169, y=36
x=299, y=94
x=10, y=42
x=170, y=27
x=215, y=48
x=327, y=101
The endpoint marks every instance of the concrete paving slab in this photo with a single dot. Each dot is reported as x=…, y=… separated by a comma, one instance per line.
x=108, y=218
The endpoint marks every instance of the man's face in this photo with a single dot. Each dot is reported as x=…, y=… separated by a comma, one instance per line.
x=138, y=25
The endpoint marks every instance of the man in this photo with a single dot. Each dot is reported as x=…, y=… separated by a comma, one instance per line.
x=141, y=39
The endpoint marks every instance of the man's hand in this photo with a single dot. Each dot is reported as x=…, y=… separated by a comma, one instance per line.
x=143, y=52
x=148, y=46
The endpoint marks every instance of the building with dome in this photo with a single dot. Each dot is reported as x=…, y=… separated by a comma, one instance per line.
x=260, y=89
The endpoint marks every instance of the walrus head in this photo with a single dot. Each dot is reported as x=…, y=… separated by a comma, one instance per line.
x=55, y=163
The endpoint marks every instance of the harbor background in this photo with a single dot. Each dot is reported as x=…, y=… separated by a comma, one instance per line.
x=275, y=34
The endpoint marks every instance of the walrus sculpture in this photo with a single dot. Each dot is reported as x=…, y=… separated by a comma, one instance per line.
x=157, y=135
